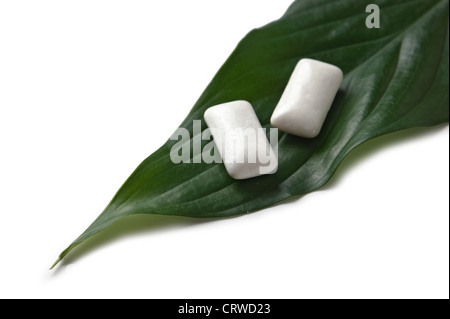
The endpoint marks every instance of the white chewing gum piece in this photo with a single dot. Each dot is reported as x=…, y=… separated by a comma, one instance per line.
x=241, y=141
x=307, y=98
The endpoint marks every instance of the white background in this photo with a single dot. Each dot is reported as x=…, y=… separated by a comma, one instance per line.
x=88, y=89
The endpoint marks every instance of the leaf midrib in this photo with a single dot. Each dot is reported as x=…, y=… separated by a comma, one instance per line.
x=396, y=36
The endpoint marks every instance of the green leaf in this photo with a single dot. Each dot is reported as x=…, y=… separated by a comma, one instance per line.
x=396, y=77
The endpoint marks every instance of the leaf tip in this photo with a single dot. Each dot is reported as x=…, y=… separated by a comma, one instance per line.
x=55, y=263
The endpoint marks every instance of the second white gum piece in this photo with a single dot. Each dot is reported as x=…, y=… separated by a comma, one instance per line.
x=240, y=140
x=307, y=98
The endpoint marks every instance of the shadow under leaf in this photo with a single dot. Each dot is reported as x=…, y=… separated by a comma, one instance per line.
x=148, y=223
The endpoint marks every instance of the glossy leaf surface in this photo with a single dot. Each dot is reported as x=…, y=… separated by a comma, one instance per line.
x=395, y=77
